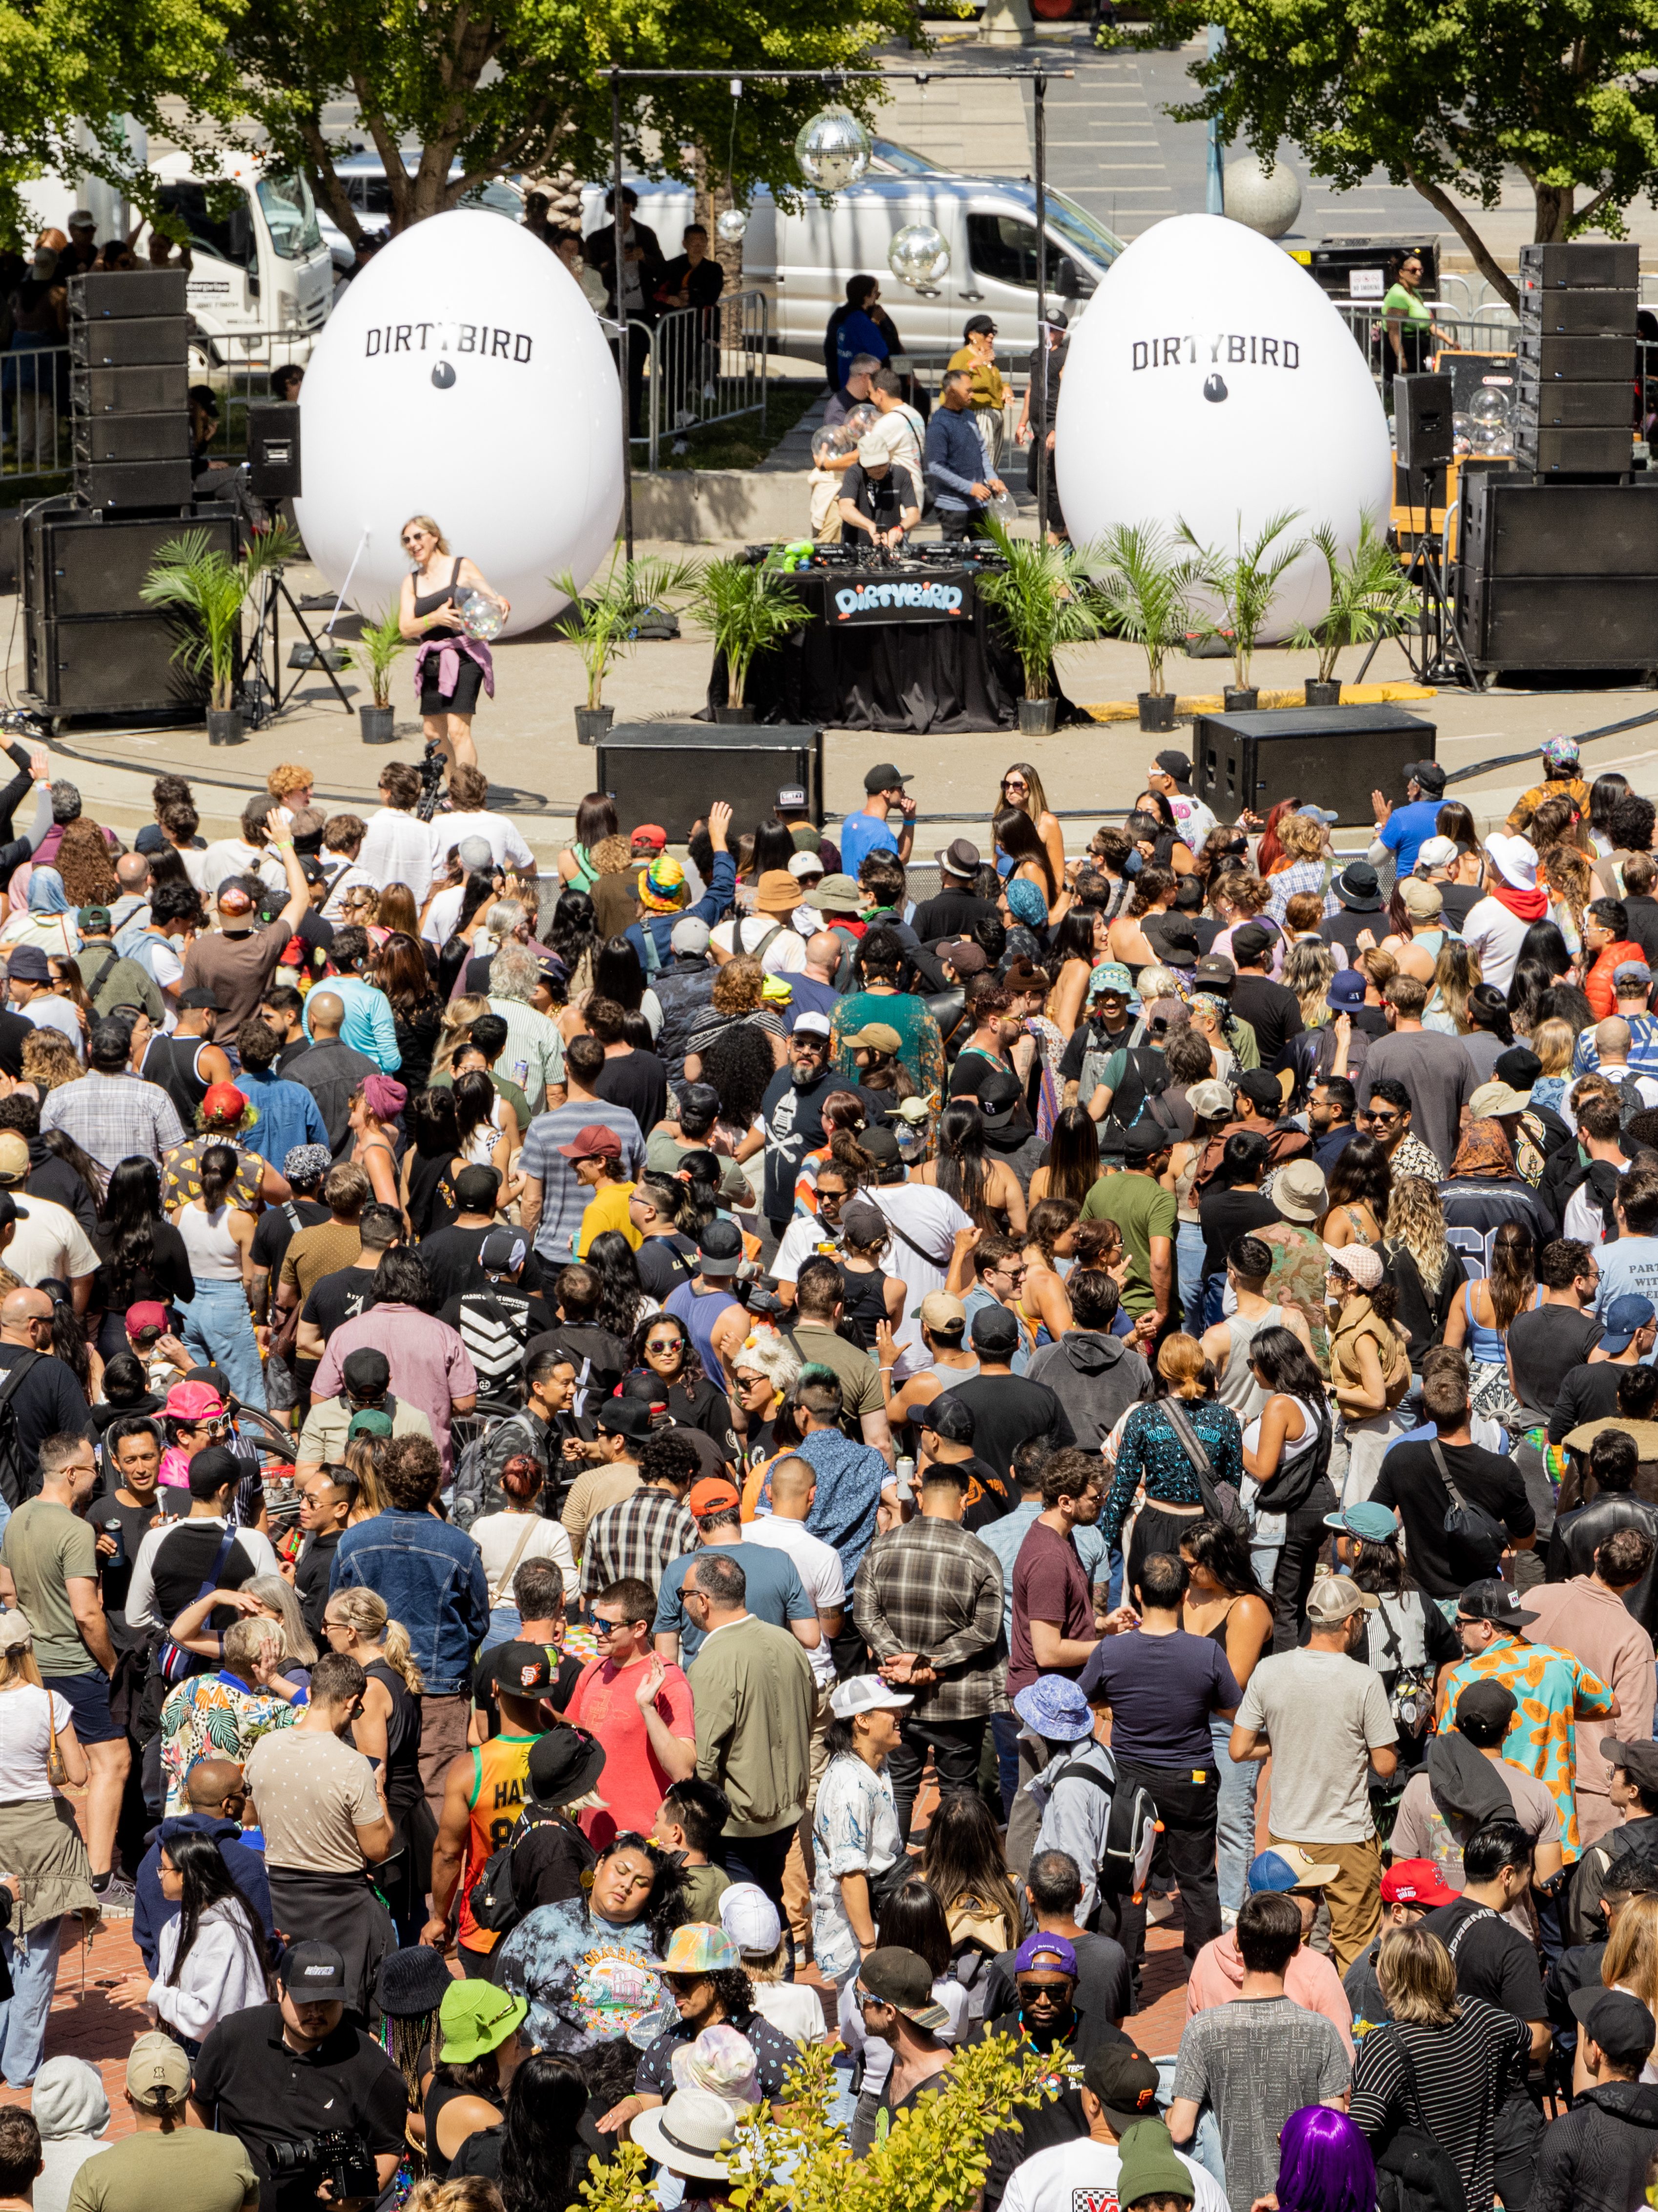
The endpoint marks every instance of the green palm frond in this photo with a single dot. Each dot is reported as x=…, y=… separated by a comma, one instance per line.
x=601, y=623
x=748, y=609
x=1146, y=594
x=377, y=649
x=1370, y=597
x=1246, y=582
x=1046, y=597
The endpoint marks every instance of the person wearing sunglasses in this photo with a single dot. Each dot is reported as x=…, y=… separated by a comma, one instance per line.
x=451, y=667
x=1022, y=788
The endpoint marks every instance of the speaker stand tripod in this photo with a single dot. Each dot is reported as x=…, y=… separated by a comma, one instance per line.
x=265, y=698
x=1426, y=649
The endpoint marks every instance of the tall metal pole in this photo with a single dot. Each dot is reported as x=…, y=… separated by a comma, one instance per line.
x=624, y=336
x=1215, y=197
x=1041, y=358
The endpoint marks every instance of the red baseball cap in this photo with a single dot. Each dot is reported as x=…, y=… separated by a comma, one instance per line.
x=1416, y=1881
x=224, y=1102
x=146, y=1314
x=649, y=837
x=713, y=1494
x=595, y=1142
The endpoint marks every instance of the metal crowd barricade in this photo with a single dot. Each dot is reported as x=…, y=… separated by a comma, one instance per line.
x=702, y=366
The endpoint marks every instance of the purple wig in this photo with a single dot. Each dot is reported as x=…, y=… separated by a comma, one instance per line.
x=1324, y=2163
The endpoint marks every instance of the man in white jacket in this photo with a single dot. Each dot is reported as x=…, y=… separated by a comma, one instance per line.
x=1497, y=926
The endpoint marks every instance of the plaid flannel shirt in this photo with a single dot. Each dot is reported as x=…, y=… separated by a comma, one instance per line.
x=931, y=1587
x=636, y=1537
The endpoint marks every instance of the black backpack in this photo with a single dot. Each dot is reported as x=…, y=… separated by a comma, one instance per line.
x=1131, y=1830
x=1414, y=2172
x=494, y=1897
x=18, y=1470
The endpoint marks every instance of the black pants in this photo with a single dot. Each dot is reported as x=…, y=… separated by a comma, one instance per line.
x=956, y=526
x=957, y=1746
x=1304, y=1538
x=1185, y=1853
x=760, y=1859
x=639, y=349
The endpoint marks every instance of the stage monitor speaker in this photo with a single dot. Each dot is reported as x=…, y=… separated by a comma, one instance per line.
x=671, y=773
x=1574, y=452
x=158, y=339
x=159, y=389
x=120, y=294
x=77, y=566
x=133, y=483
x=1577, y=314
x=1338, y=755
x=1573, y=406
x=1423, y=432
x=1576, y=360
x=1590, y=266
x=1513, y=528
x=273, y=449
x=1521, y=622
x=130, y=438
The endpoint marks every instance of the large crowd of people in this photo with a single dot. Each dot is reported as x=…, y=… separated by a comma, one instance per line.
x=607, y=1477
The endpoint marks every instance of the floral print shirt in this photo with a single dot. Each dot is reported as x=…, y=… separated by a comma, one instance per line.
x=216, y=1716
x=1551, y=1691
x=854, y=1830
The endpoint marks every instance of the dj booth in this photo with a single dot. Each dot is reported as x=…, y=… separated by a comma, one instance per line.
x=905, y=644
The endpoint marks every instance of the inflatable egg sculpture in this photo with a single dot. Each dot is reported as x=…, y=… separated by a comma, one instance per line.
x=463, y=376
x=1212, y=382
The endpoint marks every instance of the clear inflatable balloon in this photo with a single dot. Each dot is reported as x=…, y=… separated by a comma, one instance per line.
x=480, y=614
x=1462, y=433
x=731, y=226
x=831, y=444
x=1005, y=508
x=861, y=421
x=833, y=149
x=1491, y=405
x=918, y=255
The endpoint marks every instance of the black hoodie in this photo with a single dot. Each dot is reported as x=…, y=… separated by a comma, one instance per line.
x=1596, y=2160
x=1095, y=1377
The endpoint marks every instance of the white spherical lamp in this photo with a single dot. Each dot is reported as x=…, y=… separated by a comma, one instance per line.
x=833, y=149
x=1262, y=196
x=464, y=375
x=919, y=256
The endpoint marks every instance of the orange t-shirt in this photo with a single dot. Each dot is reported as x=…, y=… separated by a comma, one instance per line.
x=499, y=1770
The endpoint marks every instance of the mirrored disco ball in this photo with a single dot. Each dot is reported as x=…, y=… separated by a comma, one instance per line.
x=833, y=149
x=920, y=255
x=479, y=615
x=730, y=225
x=1462, y=433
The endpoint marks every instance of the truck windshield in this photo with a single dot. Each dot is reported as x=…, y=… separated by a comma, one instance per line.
x=217, y=218
x=290, y=216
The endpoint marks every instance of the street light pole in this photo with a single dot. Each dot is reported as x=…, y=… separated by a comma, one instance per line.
x=1040, y=359
x=624, y=336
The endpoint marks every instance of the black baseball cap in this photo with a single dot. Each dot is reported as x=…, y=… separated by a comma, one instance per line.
x=624, y=1416
x=1638, y=1760
x=1126, y=2083
x=1495, y=1602
x=1176, y=764
x=315, y=1974
x=994, y=1330
x=523, y=1670
x=1429, y=774
x=1619, y=2023
x=883, y=776
x=1144, y=1140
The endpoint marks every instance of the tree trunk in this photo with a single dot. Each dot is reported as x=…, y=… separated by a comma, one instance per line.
x=1556, y=204
x=1489, y=268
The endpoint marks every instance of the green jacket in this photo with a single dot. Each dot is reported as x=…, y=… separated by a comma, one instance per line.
x=756, y=1703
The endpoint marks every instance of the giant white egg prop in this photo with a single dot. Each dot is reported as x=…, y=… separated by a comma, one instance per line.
x=1212, y=382
x=463, y=376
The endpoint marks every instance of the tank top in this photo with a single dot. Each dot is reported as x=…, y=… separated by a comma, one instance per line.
x=173, y=1064
x=427, y=603
x=1293, y=1448
x=440, y=2093
x=402, y=1783
x=499, y=1770
x=701, y=1311
x=215, y=1254
x=863, y=1301
x=1238, y=1388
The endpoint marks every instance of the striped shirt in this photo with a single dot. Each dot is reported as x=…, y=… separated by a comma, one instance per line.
x=1463, y=2072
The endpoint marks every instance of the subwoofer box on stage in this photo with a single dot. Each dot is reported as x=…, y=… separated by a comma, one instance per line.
x=1575, y=267
x=1574, y=314
x=1560, y=406
x=134, y=483
x=1575, y=360
x=1558, y=575
x=122, y=295
x=124, y=666
x=1574, y=452
x=671, y=773
x=1332, y=756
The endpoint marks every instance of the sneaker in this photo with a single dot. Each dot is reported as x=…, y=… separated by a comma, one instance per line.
x=116, y=1900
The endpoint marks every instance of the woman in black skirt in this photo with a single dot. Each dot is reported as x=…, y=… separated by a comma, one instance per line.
x=448, y=693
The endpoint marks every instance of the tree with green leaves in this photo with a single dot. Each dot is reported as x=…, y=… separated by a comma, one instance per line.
x=1444, y=95
x=504, y=87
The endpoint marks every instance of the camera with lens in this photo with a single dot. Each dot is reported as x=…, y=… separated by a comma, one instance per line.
x=431, y=783
x=332, y=2155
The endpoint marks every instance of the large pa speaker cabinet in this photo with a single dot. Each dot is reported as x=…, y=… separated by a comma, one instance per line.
x=120, y=294
x=144, y=340
x=1577, y=314
x=159, y=389
x=273, y=449
x=1593, y=267
x=116, y=484
x=131, y=438
x=1575, y=406
x=1576, y=360
x=1554, y=576
x=1336, y=755
x=1423, y=430
x=671, y=773
x=1576, y=453
x=124, y=666
x=80, y=565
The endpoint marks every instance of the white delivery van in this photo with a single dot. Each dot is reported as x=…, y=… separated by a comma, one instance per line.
x=261, y=279
x=363, y=176
x=803, y=259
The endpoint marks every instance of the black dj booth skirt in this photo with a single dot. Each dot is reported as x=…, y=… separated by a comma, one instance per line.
x=948, y=675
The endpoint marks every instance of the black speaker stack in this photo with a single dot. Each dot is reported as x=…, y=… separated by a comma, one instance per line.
x=129, y=338
x=1574, y=404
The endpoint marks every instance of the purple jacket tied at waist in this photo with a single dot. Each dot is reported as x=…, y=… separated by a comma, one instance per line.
x=447, y=652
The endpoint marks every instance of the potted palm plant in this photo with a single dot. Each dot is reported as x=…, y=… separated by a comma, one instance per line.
x=604, y=625
x=207, y=590
x=748, y=609
x=1045, y=598
x=381, y=644
x=1246, y=583
x=1145, y=597
x=1370, y=597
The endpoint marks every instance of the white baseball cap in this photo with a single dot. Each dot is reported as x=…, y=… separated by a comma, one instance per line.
x=749, y=1918
x=866, y=1693
x=804, y=865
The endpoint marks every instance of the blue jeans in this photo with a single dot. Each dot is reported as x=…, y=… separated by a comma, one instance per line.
x=504, y=1622
x=1189, y=1273
x=218, y=1327
x=1234, y=1821
x=32, y=1960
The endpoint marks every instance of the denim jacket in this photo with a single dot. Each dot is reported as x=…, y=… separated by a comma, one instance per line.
x=432, y=1580
x=661, y=927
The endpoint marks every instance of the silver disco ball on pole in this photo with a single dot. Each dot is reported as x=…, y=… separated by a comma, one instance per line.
x=919, y=256
x=833, y=149
x=730, y=225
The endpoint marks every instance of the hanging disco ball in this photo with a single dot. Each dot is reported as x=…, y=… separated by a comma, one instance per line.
x=730, y=225
x=919, y=256
x=833, y=149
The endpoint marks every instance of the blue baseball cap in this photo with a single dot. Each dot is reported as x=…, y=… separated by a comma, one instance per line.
x=1052, y=1954
x=1286, y=1867
x=1625, y=1317
x=1370, y=1523
x=1054, y=1707
x=1347, y=989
